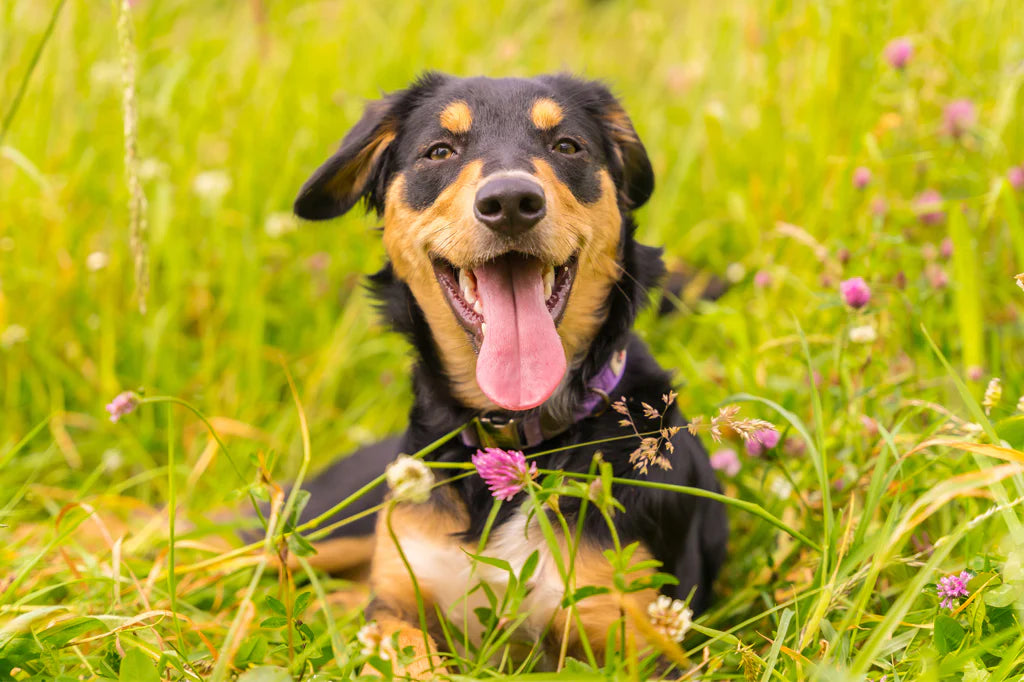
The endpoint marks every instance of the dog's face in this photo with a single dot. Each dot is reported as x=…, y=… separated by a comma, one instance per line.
x=503, y=204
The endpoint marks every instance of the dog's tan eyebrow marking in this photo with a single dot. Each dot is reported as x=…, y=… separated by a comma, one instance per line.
x=546, y=113
x=457, y=117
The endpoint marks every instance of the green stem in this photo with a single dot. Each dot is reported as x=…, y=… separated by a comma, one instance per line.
x=23, y=85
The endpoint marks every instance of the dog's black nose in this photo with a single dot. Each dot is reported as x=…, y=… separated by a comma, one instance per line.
x=510, y=205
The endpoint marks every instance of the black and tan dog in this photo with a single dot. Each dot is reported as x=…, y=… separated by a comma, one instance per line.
x=514, y=273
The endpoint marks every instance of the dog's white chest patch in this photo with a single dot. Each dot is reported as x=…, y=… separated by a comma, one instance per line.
x=451, y=577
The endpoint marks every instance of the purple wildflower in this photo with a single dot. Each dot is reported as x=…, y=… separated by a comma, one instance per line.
x=898, y=52
x=504, y=471
x=123, y=404
x=761, y=441
x=762, y=279
x=951, y=588
x=958, y=117
x=946, y=248
x=861, y=177
x=855, y=292
x=1016, y=177
x=726, y=461
x=937, y=277
x=928, y=205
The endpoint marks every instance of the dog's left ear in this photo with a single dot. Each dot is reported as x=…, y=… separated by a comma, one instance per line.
x=637, y=174
x=355, y=168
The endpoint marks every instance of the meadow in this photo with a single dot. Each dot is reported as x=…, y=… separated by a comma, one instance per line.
x=797, y=146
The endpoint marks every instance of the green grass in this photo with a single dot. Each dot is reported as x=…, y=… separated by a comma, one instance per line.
x=754, y=114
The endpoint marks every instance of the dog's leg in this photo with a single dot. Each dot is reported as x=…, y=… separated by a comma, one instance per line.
x=416, y=565
x=598, y=614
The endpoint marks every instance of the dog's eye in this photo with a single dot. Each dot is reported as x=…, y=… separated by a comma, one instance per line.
x=440, y=152
x=566, y=146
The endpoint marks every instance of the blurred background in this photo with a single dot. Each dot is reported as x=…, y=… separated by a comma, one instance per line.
x=755, y=115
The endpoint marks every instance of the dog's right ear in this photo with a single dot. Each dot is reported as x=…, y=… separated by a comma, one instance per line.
x=355, y=168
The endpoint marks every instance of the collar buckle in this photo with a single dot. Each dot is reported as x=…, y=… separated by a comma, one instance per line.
x=496, y=430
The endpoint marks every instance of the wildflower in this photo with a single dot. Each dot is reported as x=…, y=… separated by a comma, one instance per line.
x=946, y=248
x=279, y=224
x=374, y=644
x=794, y=447
x=319, y=261
x=1020, y=280
x=863, y=334
x=1016, y=176
x=929, y=252
x=869, y=424
x=152, y=169
x=855, y=292
x=97, y=260
x=843, y=255
x=762, y=279
x=410, y=480
x=951, y=588
x=958, y=116
x=928, y=206
x=898, y=52
x=761, y=441
x=781, y=487
x=504, y=471
x=900, y=280
x=974, y=373
x=212, y=185
x=12, y=336
x=726, y=461
x=861, y=177
x=1020, y=404
x=670, y=617
x=993, y=394
x=937, y=277
x=735, y=272
x=879, y=207
x=124, y=403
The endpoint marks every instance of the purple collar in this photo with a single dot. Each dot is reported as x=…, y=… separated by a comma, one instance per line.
x=512, y=433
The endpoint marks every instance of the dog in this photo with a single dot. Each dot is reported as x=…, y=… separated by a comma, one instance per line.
x=513, y=271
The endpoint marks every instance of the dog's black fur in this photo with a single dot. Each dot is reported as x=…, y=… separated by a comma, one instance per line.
x=687, y=534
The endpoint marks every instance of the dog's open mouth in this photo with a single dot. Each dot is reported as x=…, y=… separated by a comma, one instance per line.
x=511, y=306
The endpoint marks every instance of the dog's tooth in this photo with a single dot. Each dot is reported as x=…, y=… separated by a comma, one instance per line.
x=549, y=282
x=467, y=282
x=478, y=307
x=483, y=329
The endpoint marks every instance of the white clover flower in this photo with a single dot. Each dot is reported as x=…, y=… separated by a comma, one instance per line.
x=410, y=480
x=373, y=641
x=212, y=185
x=151, y=169
x=1020, y=404
x=993, y=394
x=1020, y=280
x=781, y=487
x=735, y=272
x=279, y=224
x=105, y=74
x=97, y=260
x=863, y=334
x=13, y=335
x=670, y=617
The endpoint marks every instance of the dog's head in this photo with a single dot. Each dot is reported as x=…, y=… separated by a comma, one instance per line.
x=503, y=204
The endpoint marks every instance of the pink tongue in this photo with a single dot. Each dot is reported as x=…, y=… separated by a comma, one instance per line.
x=521, y=360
